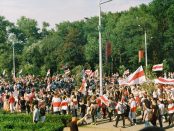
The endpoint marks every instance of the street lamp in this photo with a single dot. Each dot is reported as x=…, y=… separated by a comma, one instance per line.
x=100, y=44
x=12, y=38
x=145, y=45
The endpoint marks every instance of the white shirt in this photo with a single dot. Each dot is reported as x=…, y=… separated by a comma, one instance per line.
x=55, y=106
x=154, y=94
x=161, y=108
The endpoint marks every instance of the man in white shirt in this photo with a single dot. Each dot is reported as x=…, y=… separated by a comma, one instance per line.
x=120, y=112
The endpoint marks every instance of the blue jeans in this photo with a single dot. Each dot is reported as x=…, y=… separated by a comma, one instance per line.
x=146, y=123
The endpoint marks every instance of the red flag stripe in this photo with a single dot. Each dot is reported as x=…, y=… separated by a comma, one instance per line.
x=137, y=75
x=157, y=67
x=165, y=80
x=104, y=99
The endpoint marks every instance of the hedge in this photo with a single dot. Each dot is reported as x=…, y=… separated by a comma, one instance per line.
x=23, y=122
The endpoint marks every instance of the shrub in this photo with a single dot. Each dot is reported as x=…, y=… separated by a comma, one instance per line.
x=23, y=122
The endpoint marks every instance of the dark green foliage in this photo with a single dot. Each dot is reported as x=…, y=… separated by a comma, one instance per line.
x=24, y=122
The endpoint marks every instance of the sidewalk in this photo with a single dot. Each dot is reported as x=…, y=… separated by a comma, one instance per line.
x=105, y=125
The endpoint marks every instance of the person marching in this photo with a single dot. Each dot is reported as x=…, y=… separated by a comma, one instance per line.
x=133, y=107
x=64, y=105
x=170, y=111
x=120, y=112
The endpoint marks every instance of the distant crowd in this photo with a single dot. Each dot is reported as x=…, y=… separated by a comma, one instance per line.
x=59, y=95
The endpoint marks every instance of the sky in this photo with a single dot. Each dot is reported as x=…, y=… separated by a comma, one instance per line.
x=56, y=11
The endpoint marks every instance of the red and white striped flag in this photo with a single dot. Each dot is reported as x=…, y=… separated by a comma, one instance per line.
x=161, y=80
x=104, y=99
x=89, y=73
x=123, y=82
x=158, y=67
x=83, y=87
x=138, y=77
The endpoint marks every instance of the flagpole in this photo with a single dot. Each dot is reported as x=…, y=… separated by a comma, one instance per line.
x=100, y=45
x=145, y=42
x=14, y=61
x=100, y=50
x=12, y=39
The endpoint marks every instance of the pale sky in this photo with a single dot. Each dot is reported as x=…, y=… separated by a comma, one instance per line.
x=56, y=11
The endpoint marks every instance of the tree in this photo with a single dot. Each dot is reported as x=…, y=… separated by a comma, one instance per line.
x=29, y=29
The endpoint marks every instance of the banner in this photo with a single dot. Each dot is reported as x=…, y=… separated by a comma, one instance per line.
x=165, y=81
x=83, y=87
x=140, y=55
x=158, y=67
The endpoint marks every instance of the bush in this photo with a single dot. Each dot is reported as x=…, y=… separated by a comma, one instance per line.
x=23, y=122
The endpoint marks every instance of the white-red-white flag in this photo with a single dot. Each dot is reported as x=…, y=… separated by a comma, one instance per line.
x=158, y=67
x=123, y=82
x=165, y=81
x=104, y=99
x=83, y=87
x=89, y=73
x=138, y=77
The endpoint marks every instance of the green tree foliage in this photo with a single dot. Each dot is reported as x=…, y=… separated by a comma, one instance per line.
x=29, y=29
x=75, y=44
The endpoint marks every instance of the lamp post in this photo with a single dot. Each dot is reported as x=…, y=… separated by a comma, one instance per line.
x=14, y=74
x=12, y=38
x=145, y=46
x=100, y=44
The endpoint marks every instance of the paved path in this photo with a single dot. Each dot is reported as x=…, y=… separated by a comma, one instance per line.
x=105, y=125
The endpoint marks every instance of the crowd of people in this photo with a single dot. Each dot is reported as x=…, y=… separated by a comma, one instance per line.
x=59, y=95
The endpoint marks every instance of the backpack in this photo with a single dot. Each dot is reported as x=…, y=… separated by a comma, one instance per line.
x=121, y=108
x=126, y=109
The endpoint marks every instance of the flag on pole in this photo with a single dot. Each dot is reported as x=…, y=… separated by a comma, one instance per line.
x=123, y=82
x=104, y=99
x=158, y=67
x=138, y=77
x=83, y=87
x=165, y=81
x=140, y=55
x=48, y=72
x=89, y=73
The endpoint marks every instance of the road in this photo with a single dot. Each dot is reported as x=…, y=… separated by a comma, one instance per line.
x=105, y=125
